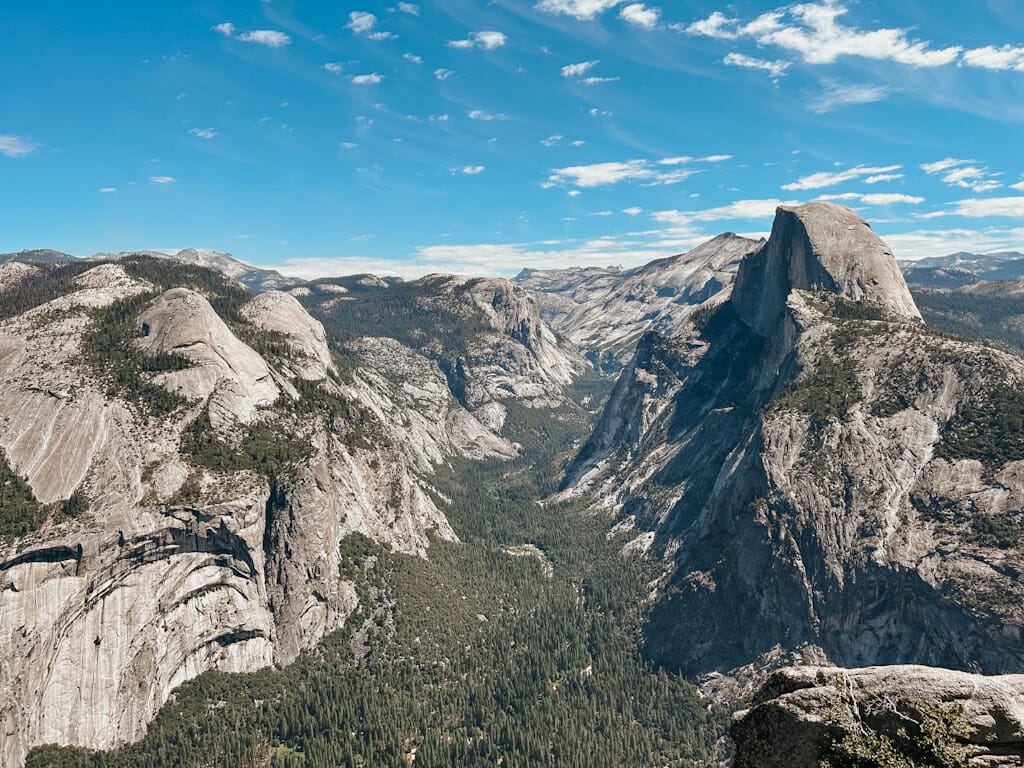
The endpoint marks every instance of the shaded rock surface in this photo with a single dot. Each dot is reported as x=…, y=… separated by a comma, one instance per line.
x=606, y=311
x=799, y=711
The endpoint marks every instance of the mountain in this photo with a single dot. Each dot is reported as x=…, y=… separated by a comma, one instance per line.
x=605, y=311
x=960, y=269
x=824, y=477
x=184, y=466
x=38, y=255
x=253, y=278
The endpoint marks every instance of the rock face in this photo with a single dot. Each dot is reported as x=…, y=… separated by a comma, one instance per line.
x=799, y=711
x=485, y=335
x=808, y=463
x=226, y=371
x=605, y=312
x=104, y=614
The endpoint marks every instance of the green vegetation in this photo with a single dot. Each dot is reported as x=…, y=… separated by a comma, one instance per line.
x=932, y=741
x=49, y=283
x=259, y=447
x=471, y=658
x=411, y=313
x=108, y=352
x=828, y=391
x=988, y=427
x=998, y=319
x=20, y=512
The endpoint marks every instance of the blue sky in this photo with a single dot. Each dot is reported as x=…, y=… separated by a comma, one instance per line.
x=480, y=137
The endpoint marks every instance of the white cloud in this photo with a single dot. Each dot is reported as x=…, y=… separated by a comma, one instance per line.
x=717, y=25
x=488, y=40
x=108, y=190
x=16, y=146
x=361, y=22
x=551, y=141
x=634, y=211
x=990, y=57
x=579, y=9
x=204, y=133
x=443, y=74
x=479, y=114
x=941, y=165
x=741, y=209
x=879, y=198
x=961, y=173
x=838, y=95
x=831, y=178
x=371, y=79
x=598, y=80
x=813, y=32
x=939, y=242
x=981, y=208
x=382, y=36
x=578, y=70
x=410, y=8
x=268, y=37
x=413, y=58
x=640, y=15
x=1019, y=186
x=883, y=177
x=162, y=179
x=333, y=67
x=348, y=145
x=773, y=68
x=605, y=174
x=473, y=170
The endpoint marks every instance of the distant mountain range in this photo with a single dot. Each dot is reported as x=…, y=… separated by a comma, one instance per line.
x=960, y=269
x=253, y=278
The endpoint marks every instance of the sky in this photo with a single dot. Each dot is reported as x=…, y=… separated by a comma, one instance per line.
x=473, y=136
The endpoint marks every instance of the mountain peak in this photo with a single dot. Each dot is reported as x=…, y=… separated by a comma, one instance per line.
x=819, y=246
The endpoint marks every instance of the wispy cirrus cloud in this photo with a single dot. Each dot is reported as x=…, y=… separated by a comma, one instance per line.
x=204, y=133
x=980, y=208
x=16, y=146
x=646, y=172
x=162, y=179
x=838, y=95
x=580, y=69
x=824, y=179
x=875, y=198
x=371, y=78
x=741, y=210
x=964, y=174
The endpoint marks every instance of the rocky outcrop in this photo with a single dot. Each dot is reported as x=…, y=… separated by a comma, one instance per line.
x=802, y=458
x=232, y=375
x=800, y=713
x=605, y=312
x=282, y=313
